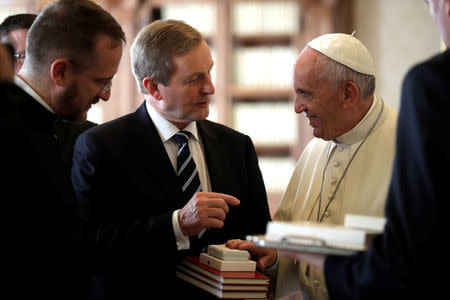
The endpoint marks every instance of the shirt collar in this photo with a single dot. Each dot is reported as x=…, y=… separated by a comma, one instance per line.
x=29, y=90
x=165, y=128
x=361, y=130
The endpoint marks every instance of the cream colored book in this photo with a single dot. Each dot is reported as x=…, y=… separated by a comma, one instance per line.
x=227, y=265
x=369, y=223
x=223, y=252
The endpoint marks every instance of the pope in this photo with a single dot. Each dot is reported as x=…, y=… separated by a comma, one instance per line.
x=346, y=168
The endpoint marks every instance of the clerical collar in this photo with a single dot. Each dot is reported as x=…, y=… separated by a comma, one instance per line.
x=29, y=90
x=165, y=128
x=361, y=130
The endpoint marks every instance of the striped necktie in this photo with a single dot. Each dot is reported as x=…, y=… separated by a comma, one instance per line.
x=186, y=169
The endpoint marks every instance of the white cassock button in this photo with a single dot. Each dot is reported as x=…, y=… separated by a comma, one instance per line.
x=336, y=163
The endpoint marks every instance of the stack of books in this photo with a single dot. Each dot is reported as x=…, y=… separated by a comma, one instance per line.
x=225, y=273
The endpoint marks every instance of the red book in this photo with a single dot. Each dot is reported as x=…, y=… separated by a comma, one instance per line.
x=224, y=284
x=226, y=277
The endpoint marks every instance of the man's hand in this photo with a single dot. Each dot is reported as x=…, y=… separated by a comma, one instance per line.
x=264, y=257
x=204, y=210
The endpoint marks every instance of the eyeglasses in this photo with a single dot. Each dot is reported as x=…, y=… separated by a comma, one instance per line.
x=108, y=86
x=20, y=57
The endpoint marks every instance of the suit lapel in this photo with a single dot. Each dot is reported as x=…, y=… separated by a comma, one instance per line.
x=217, y=163
x=213, y=156
x=155, y=161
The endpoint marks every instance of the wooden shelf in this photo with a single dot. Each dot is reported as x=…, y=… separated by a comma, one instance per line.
x=262, y=93
x=250, y=40
x=273, y=150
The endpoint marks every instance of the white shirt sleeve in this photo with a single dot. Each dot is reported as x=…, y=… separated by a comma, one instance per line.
x=182, y=241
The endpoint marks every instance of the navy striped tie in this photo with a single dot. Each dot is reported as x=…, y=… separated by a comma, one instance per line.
x=186, y=169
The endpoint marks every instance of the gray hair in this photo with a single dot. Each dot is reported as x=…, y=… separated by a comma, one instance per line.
x=335, y=72
x=155, y=46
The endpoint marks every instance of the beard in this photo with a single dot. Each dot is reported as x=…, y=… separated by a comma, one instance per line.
x=69, y=105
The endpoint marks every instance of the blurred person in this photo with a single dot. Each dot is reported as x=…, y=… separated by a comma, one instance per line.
x=14, y=30
x=6, y=70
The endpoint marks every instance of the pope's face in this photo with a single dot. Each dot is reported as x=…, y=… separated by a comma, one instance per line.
x=317, y=98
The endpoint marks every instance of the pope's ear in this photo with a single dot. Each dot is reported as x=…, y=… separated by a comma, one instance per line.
x=60, y=72
x=152, y=87
x=351, y=93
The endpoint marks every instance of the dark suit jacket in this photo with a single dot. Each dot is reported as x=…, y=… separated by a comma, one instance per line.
x=128, y=189
x=409, y=260
x=66, y=133
x=44, y=238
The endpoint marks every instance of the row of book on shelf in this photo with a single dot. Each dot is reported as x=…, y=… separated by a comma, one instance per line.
x=263, y=66
x=274, y=17
x=267, y=123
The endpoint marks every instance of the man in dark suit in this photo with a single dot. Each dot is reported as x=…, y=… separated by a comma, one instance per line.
x=73, y=51
x=408, y=260
x=125, y=172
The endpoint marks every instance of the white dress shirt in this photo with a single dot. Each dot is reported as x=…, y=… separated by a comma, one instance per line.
x=166, y=130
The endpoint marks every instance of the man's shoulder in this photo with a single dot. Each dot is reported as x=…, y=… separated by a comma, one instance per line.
x=389, y=117
x=14, y=99
x=117, y=126
x=20, y=110
x=316, y=143
x=437, y=66
x=431, y=80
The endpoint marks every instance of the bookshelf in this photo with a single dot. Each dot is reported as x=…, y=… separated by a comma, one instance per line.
x=254, y=45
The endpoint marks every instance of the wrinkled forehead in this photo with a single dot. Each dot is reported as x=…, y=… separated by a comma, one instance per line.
x=197, y=59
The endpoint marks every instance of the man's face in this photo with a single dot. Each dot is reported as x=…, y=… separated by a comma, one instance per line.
x=18, y=38
x=317, y=98
x=88, y=86
x=186, y=98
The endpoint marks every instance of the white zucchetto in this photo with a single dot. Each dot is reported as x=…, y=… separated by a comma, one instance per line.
x=345, y=49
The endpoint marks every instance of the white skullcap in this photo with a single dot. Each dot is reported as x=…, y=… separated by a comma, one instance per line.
x=345, y=49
